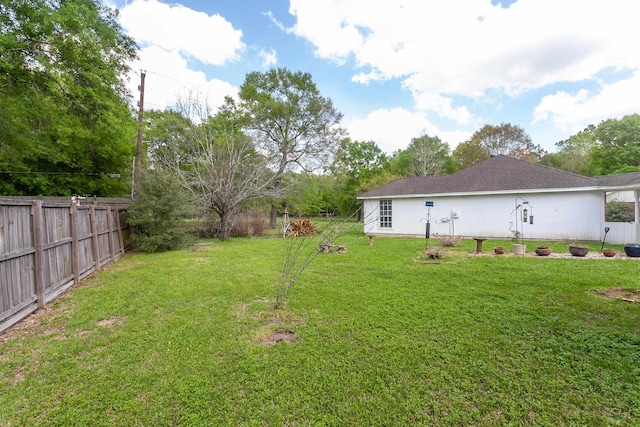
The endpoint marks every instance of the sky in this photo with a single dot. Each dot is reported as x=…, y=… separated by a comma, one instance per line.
x=400, y=69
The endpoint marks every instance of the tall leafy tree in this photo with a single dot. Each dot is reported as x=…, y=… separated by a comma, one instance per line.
x=167, y=136
x=65, y=123
x=310, y=194
x=618, y=146
x=574, y=153
x=425, y=156
x=355, y=163
x=292, y=124
x=510, y=140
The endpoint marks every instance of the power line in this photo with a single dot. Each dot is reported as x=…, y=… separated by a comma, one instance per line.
x=169, y=77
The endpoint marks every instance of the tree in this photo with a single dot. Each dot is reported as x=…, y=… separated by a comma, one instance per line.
x=506, y=139
x=355, y=163
x=310, y=194
x=167, y=135
x=65, y=124
x=158, y=211
x=425, y=156
x=292, y=124
x=618, y=146
x=219, y=164
x=574, y=153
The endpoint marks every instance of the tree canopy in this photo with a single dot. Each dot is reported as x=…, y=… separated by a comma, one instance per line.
x=213, y=159
x=425, y=156
x=291, y=123
x=574, y=153
x=510, y=140
x=355, y=163
x=617, y=148
x=65, y=123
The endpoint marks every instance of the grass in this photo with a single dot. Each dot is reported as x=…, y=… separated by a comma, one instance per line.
x=181, y=338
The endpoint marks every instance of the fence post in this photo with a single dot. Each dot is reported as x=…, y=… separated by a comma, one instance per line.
x=119, y=231
x=36, y=213
x=112, y=253
x=94, y=237
x=73, y=211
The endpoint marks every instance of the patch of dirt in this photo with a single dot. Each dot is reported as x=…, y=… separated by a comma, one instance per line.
x=19, y=375
x=629, y=295
x=273, y=325
x=111, y=323
x=39, y=322
x=104, y=323
x=279, y=335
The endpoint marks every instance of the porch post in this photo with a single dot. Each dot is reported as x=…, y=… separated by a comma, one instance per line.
x=636, y=194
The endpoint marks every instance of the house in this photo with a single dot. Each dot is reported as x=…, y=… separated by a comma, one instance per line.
x=500, y=198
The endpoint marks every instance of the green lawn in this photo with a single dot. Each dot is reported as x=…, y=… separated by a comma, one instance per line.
x=183, y=338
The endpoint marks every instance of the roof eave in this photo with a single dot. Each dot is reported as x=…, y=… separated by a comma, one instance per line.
x=486, y=193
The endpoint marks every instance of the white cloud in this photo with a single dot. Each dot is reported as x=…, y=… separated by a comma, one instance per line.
x=573, y=111
x=207, y=38
x=470, y=48
x=393, y=129
x=169, y=79
x=269, y=57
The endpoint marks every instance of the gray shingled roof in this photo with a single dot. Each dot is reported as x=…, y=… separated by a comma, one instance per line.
x=497, y=173
x=623, y=179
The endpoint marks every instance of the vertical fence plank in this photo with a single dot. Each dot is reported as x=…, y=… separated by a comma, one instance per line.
x=75, y=265
x=94, y=237
x=119, y=227
x=36, y=213
x=112, y=252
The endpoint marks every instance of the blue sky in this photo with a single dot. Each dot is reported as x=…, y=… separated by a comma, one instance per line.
x=398, y=69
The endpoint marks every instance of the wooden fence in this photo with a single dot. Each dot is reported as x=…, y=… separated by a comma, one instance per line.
x=47, y=245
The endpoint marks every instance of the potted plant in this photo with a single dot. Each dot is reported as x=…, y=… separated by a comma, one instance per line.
x=499, y=250
x=577, y=250
x=609, y=252
x=543, y=250
x=518, y=248
x=632, y=249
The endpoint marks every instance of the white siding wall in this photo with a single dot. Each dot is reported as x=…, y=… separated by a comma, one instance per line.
x=557, y=216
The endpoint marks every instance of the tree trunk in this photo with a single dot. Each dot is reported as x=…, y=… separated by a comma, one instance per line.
x=274, y=215
x=225, y=227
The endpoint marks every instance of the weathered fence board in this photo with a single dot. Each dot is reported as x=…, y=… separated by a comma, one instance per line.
x=48, y=245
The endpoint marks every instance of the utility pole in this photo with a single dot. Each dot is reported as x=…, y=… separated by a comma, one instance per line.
x=138, y=162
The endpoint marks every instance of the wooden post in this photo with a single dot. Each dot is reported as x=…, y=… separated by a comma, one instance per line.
x=94, y=237
x=119, y=232
x=36, y=213
x=112, y=252
x=73, y=211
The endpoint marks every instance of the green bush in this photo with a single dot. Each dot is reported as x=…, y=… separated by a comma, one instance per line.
x=619, y=212
x=158, y=212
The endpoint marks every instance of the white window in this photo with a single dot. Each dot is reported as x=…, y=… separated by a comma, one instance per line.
x=385, y=213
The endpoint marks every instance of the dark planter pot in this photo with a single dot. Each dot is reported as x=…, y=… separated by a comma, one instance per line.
x=609, y=253
x=578, y=250
x=543, y=250
x=632, y=249
x=499, y=250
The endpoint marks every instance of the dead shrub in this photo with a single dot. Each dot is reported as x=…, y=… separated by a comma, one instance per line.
x=251, y=223
x=436, y=252
x=449, y=241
